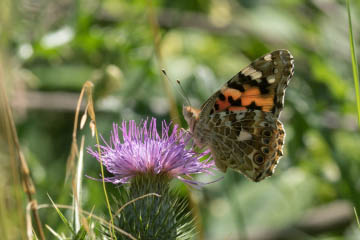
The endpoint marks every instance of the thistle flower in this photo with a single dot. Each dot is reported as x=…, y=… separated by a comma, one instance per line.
x=148, y=161
x=144, y=151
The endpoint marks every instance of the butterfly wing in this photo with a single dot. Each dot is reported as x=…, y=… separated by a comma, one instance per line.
x=249, y=142
x=259, y=86
x=239, y=123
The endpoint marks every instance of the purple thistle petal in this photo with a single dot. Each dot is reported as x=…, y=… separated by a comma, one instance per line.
x=142, y=151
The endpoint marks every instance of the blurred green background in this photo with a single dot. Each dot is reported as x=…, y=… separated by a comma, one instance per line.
x=50, y=48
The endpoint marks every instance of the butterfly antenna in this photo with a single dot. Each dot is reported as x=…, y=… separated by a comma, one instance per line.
x=182, y=92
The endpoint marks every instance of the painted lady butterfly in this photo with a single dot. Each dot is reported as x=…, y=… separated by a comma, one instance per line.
x=240, y=122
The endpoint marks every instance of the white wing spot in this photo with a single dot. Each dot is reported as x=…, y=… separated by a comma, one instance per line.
x=244, y=135
x=270, y=79
x=248, y=71
x=276, y=70
x=256, y=75
x=267, y=57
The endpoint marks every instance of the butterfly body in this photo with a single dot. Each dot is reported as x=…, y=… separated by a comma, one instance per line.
x=240, y=122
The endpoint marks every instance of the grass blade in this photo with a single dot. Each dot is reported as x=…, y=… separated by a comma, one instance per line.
x=63, y=218
x=77, y=187
x=54, y=232
x=357, y=217
x=354, y=61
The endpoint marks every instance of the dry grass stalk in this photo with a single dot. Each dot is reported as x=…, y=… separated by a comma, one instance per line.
x=19, y=160
x=153, y=20
x=74, y=152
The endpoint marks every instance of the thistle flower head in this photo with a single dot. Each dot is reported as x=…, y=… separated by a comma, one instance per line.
x=142, y=150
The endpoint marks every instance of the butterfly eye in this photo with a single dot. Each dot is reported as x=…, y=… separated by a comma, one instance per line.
x=266, y=133
x=259, y=159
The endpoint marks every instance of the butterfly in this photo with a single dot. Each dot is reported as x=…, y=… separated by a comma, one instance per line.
x=240, y=122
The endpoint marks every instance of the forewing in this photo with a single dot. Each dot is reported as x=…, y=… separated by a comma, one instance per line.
x=259, y=86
